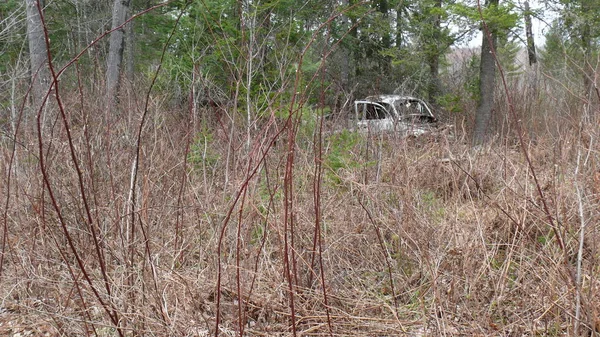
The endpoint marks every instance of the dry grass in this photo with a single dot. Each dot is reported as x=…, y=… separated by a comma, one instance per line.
x=416, y=236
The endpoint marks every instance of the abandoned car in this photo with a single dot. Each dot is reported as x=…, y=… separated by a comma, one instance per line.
x=405, y=115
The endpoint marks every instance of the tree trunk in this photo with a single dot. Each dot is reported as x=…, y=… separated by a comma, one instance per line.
x=354, y=35
x=586, y=46
x=38, y=53
x=487, y=74
x=434, y=55
x=434, y=84
x=129, y=52
x=115, y=52
x=529, y=34
x=400, y=29
x=345, y=65
x=385, y=62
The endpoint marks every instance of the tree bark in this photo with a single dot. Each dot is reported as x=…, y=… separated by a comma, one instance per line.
x=354, y=35
x=129, y=52
x=434, y=84
x=586, y=46
x=434, y=55
x=400, y=29
x=38, y=52
x=529, y=34
x=385, y=62
x=487, y=74
x=115, y=52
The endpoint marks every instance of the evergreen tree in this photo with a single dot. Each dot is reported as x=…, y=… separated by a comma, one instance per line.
x=575, y=38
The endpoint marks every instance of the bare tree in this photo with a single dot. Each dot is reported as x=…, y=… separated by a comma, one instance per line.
x=115, y=51
x=38, y=53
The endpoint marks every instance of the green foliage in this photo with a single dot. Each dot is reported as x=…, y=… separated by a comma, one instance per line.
x=546, y=238
x=308, y=124
x=430, y=25
x=62, y=46
x=553, y=55
x=563, y=56
x=339, y=156
x=248, y=53
x=12, y=33
x=257, y=233
x=579, y=18
x=205, y=41
x=450, y=103
x=473, y=83
x=152, y=32
x=381, y=46
x=431, y=204
x=202, y=156
x=501, y=18
x=507, y=51
x=7, y=8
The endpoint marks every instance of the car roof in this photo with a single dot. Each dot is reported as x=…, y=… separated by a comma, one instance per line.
x=390, y=98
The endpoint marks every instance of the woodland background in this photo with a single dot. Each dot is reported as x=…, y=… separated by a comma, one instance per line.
x=181, y=168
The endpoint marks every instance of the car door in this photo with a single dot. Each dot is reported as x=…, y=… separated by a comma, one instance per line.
x=373, y=117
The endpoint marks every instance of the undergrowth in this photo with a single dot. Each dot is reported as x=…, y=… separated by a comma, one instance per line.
x=422, y=236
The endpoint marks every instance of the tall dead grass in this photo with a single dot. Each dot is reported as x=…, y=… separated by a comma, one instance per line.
x=415, y=237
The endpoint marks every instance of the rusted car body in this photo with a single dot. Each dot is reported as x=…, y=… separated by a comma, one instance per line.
x=405, y=115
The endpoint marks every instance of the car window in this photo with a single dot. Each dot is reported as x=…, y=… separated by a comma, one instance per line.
x=374, y=111
x=407, y=108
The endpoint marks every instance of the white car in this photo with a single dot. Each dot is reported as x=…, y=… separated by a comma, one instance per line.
x=406, y=115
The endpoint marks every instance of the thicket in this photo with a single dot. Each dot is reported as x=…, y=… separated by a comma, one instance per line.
x=234, y=205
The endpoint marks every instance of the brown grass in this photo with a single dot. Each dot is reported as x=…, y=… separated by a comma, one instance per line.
x=416, y=237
